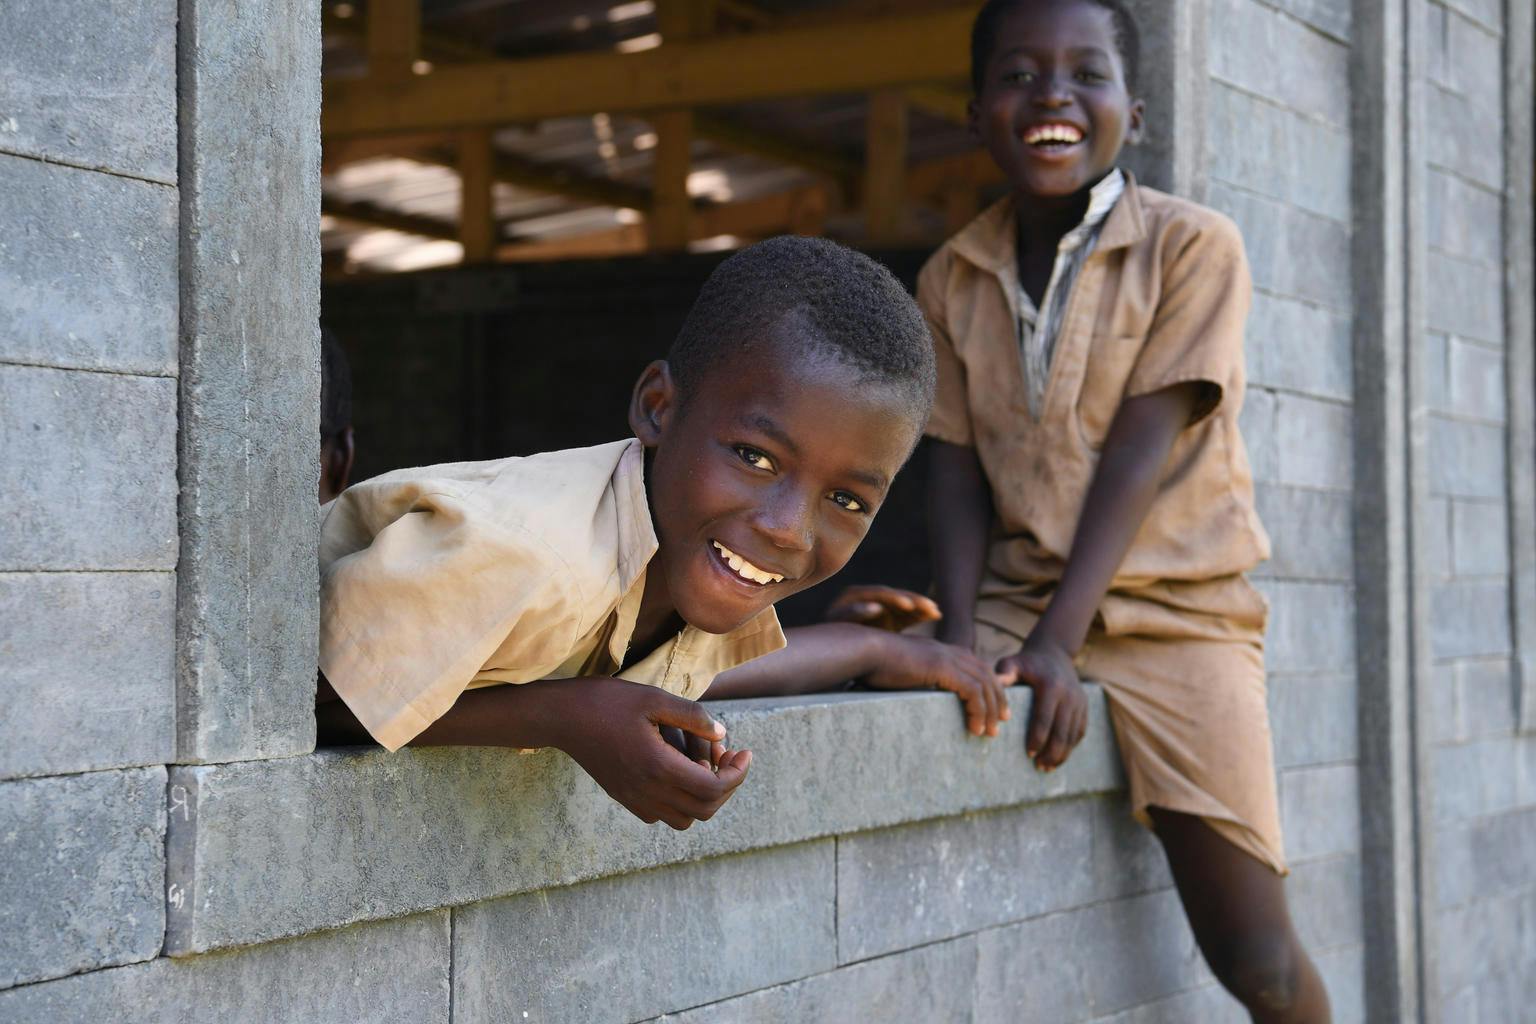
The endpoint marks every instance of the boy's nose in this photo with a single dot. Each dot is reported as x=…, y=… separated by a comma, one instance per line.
x=787, y=523
x=1052, y=92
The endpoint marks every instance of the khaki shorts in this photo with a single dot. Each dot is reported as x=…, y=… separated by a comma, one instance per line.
x=1190, y=718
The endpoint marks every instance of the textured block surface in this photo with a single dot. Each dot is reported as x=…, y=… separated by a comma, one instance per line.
x=621, y=949
x=394, y=971
x=91, y=84
x=87, y=269
x=88, y=467
x=250, y=372
x=1016, y=983
x=934, y=983
x=86, y=671
x=83, y=885
x=369, y=835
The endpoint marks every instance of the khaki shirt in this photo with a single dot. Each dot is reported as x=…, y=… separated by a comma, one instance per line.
x=1160, y=301
x=436, y=580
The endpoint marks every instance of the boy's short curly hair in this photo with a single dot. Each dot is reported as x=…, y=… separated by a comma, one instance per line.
x=838, y=301
x=984, y=36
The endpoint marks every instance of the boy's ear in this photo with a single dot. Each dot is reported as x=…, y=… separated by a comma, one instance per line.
x=1136, y=123
x=653, y=404
x=972, y=120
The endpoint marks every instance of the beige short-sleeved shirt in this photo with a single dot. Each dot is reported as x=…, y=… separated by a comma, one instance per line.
x=1161, y=300
x=440, y=579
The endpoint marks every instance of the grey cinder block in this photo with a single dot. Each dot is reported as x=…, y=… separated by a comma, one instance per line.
x=1343, y=972
x=1325, y=902
x=83, y=885
x=1314, y=719
x=1464, y=220
x=91, y=84
x=1476, y=779
x=1257, y=425
x=1332, y=17
x=1299, y=347
x=1310, y=533
x=906, y=886
x=1320, y=811
x=393, y=971
x=1479, y=538
x=1472, y=62
x=1484, y=856
x=250, y=191
x=1292, y=252
x=1466, y=460
x=621, y=949
x=1280, y=153
x=368, y=835
x=88, y=467
x=1467, y=300
x=1485, y=692
x=1315, y=443
x=1469, y=618
x=1467, y=136
x=1476, y=382
x=106, y=697
x=1312, y=79
x=1016, y=983
x=1311, y=627
x=1487, y=939
x=934, y=983
x=87, y=269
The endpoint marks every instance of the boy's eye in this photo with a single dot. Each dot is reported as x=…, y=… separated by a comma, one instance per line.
x=1091, y=76
x=848, y=501
x=753, y=457
x=1019, y=77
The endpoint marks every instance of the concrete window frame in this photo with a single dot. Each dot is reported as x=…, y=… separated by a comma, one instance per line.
x=249, y=435
x=1520, y=340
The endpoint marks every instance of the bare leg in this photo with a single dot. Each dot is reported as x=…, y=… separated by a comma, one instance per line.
x=1237, y=908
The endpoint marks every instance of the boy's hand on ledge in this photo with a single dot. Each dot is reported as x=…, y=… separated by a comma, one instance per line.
x=616, y=738
x=914, y=662
x=1058, y=716
x=888, y=608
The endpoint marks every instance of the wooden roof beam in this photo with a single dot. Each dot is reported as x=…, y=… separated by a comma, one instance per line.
x=896, y=50
x=370, y=215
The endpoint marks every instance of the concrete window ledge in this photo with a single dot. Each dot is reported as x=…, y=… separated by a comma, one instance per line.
x=262, y=850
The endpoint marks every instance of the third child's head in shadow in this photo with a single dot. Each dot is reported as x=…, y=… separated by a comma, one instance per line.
x=795, y=391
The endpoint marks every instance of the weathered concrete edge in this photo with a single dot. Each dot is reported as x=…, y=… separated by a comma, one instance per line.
x=248, y=108
x=1386, y=333
x=498, y=823
x=1520, y=341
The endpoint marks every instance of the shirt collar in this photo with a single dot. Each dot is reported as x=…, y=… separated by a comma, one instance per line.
x=989, y=241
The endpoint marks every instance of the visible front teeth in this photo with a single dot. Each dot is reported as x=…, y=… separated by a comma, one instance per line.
x=745, y=569
x=1053, y=133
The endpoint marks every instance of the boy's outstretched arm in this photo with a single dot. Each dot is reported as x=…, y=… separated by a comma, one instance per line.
x=611, y=727
x=1124, y=485
x=822, y=656
x=959, y=524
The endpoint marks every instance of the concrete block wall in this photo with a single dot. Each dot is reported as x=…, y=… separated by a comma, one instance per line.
x=88, y=384
x=1483, y=769
x=1279, y=159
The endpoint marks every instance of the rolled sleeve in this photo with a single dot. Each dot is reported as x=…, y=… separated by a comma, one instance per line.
x=1197, y=331
x=417, y=592
x=950, y=420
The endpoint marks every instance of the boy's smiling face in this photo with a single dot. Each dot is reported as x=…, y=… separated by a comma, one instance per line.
x=1054, y=109
x=766, y=478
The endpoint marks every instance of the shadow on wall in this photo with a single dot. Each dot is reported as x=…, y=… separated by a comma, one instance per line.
x=486, y=362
